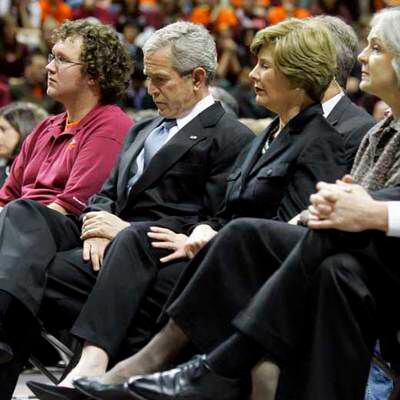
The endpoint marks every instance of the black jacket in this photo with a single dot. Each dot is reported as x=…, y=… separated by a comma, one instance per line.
x=185, y=180
x=278, y=184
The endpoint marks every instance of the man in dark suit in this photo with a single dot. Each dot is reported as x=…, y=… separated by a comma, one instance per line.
x=172, y=170
x=352, y=121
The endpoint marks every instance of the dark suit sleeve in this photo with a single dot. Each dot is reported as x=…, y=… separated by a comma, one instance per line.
x=222, y=158
x=106, y=199
x=321, y=159
x=224, y=214
x=387, y=194
x=353, y=139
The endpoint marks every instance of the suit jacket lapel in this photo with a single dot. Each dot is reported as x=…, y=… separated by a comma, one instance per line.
x=278, y=145
x=336, y=114
x=131, y=154
x=174, y=149
x=253, y=153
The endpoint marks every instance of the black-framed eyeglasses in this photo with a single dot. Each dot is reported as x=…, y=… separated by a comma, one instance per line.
x=60, y=61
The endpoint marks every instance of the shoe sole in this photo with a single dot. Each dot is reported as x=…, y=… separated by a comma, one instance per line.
x=43, y=394
x=92, y=396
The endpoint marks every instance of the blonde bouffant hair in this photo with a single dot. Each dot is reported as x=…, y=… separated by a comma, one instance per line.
x=303, y=52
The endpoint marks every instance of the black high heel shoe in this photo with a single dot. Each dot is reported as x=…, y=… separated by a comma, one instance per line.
x=49, y=392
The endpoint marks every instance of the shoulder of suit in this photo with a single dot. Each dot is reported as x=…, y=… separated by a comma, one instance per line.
x=356, y=111
x=321, y=126
x=233, y=125
x=142, y=124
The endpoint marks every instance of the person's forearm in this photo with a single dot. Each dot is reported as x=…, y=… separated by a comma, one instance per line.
x=56, y=207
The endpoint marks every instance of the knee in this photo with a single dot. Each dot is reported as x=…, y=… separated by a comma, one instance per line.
x=128, y=235
x=240, y=228
x=22, y=204
x=339, y=269
x=22, y=210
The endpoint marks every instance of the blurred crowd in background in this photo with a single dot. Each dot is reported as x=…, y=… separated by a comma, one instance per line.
x=26, y=27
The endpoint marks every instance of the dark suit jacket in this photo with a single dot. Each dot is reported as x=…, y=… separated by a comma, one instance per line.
x=185, y=180
x=278, y=184
x=352, y=122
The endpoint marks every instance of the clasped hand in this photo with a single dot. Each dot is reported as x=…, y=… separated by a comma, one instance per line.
x=98, y=229
x=102, y=224
x=344, y=206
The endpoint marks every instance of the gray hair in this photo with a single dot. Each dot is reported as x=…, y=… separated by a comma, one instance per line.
x=346, y=44
x=386, y=25
x=191, y=46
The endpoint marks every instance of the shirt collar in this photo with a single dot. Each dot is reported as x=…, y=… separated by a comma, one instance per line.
x=329, y=105
x=199, y=107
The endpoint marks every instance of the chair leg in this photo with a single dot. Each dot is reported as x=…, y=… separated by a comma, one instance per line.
x=64, y=352
x=39, y=365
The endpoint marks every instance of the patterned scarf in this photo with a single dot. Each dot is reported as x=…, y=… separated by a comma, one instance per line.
x=377, y=163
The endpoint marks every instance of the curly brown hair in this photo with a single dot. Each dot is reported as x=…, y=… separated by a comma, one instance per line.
x=103, y=56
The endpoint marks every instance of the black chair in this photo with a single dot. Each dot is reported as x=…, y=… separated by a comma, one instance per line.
x=64, y=352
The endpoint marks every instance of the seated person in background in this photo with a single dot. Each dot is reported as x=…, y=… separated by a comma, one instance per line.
x=32, y=85
x=17, y=121
x=352, y=121
x=273, y=179
x=184, y=179
x=318, y=316
x=61, y=164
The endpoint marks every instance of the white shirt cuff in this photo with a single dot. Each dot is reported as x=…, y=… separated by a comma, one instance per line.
x=393, y=218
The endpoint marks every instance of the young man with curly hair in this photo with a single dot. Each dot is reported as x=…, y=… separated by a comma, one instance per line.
x=62, y=163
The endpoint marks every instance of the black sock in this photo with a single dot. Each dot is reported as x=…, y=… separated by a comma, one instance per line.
x=235, y=357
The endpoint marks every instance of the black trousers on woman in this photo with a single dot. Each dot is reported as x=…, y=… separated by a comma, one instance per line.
x=316, y=311
x=326, y=305
x=224, y=276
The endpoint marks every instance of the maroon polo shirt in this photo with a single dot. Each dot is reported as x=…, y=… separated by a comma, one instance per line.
x=67, y=166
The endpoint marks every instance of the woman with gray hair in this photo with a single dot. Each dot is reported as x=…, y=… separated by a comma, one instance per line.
x=17, y=121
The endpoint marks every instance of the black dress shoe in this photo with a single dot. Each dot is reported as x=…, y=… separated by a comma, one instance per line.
x=193, y=380
x=93, y=388
x=49, y=392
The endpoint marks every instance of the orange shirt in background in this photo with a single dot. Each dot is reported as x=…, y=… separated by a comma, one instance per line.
x=226, y=19
x=201, y=15
x=57, y=9
x=278, y=14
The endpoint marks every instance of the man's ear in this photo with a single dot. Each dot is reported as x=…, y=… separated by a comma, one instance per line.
x=199, y=76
